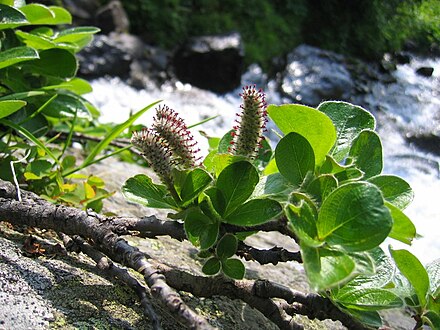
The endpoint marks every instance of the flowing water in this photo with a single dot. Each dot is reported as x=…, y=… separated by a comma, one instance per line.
x=411, y=104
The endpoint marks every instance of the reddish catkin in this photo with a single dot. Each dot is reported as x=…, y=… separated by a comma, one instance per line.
x=251, y=123
x=155, y=151
x=174, y=132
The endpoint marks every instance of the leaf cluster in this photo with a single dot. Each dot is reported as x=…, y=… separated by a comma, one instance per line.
x=325, y=179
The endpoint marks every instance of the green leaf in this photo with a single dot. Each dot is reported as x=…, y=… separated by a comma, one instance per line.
x=61, y=16
x=354, y=218
x=369, y=318
x=225, y=142
x=212, y=266
x=322, y=186
x=215, y=162
x=196, y=181
x=35, y=41
x=67, y=106
x=312, y=124
x=11, y=17
x=303, y=220
x=294, y=158
x=39, y=168
x=55, y=62
x=328, y=269
x=433, y=270
x=233, y=268
x=403, y=229
x=16, y=55
x=369, y=299
x=141, y=189
x=37, y=13
x=274, y=186
x=413, y=270
x=366, y=152
x=75, y=85
x=201, y=227
x=217, y=199
x=80, y=36
x=394, y=189
x=11, y=106
x=237, y=182
x=349, y=121
x=226, y=246
x=254, y=212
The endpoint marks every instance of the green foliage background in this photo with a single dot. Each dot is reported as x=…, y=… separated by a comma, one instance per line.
x=364, y=28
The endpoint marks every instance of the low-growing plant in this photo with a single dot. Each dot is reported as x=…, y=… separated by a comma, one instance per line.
x=42, y=107
x=323, y=184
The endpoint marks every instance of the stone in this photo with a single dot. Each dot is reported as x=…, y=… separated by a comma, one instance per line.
x=425, y=71
x=313, y=75
x=213, y=62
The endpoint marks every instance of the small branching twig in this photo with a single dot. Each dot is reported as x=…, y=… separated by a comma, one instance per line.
x=271, y=256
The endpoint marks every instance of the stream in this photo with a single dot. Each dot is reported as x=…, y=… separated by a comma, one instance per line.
x=409, y=104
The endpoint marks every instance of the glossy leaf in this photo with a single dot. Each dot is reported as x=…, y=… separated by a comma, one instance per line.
x=295, y=158
x=35, y=41
x=195, y=182
x=16, y=55
x=403, y=229
x=75, y=85
x=413, y=270
x=212, y=266
x=61, y=16
x=274, y=186
x=226, y=246
x=312, y=124
x=354, y=218
x=366, y=152
x=349, y=121
x=233, y=268
x=201, y=227
x=254, y=212
x=80, y=36
x=217, y=199
x=370, y=299
x=37, y=13
x=55, y=62
x=10, y=106
x=141, y=189
x=11, y=17
x=370, y=318
x=394, y=189
x=215, y=162
x=67, y=106
x=237, y=182
x=432, y=319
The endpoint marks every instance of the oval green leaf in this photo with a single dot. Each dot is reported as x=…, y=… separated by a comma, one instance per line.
x=55, y=62
x=16, y=55
x=195, y=182
x=394, y=189
x=322, y=186
x=349, y=121
x=10, y=106
x=403, y=229
x=141, y=189
x=37, y=13
x=413, y=270
x=254, y=212
x=212, y=266
x=11, y=17
x=65, y=106
x=354, y=217
x=233, y=268
x=366, y=152
x=237, y=182
x=294, y=158
x=312, y=124
x=226, y=246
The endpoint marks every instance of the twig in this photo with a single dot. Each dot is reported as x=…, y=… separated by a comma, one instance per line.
x=271, y=256
x=36, y=212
